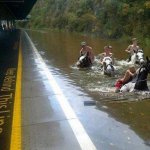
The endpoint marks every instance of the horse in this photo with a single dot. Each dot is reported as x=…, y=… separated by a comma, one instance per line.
x=108, y=67
x=84, y=61
x=139, y=82
x=137, y=57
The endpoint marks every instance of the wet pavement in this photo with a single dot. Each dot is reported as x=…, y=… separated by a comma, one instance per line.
x=54, y=115
x=60, y=51
x=46, y=119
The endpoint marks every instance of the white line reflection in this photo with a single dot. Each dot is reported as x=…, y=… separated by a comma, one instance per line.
x=78, y=129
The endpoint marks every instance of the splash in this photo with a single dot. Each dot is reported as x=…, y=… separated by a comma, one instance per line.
x=94, y=81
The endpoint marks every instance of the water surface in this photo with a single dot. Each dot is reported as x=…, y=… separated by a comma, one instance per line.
x=60, y=50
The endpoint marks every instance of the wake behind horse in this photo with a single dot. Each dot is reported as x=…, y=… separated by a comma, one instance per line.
x=139, y=83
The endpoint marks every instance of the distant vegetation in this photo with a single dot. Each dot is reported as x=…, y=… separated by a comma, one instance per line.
x=107, y=18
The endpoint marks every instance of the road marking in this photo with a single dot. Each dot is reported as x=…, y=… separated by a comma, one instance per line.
x=16, y=123
x=78, y=129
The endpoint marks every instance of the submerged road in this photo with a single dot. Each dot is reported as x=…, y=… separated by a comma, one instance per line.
x=37, y=114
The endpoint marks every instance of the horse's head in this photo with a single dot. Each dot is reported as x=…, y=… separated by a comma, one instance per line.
x=82, y=58
x=137, y=57
x=108, y=66
x=84, y=61
x=141, y=83
x=140, y=56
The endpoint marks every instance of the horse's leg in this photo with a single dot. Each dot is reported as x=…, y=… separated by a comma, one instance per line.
x=129, y=59
x=104, y=64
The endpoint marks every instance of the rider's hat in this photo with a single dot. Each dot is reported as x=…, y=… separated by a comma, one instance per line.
x=83, y=43
x=134, y=39
x=105, y=47
x=110, y=47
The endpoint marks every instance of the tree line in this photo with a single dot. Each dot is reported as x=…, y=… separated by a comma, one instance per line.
x=107, y=18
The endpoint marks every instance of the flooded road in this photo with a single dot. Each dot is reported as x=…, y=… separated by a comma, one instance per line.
x=60, y=52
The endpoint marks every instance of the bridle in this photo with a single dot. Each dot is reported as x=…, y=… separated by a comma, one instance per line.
x=137, y=56
x=108, y=64
x=109, y=59
x=84, y=60
x=143, y=66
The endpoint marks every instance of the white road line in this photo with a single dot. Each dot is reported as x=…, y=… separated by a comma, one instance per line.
x=78, y=129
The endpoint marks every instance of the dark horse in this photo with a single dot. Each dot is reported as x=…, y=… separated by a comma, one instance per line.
x=139, y=83
x=84, y=61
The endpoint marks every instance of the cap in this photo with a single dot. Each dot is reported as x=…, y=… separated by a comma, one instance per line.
x=134, y=39
x=110, y=47
x=83, y=43
x=105, y=47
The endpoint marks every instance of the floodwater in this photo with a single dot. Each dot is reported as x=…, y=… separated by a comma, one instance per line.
x=60, y=50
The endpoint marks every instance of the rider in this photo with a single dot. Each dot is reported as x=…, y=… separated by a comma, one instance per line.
x=87, y=49
x=129, y=75
x=133, y=48
x=107, y=53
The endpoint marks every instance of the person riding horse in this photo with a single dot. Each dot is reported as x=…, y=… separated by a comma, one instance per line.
x=86, y=56
x=129, y=75
x=85, y=49
x=137, y=80
x=107, y=53
x=107, y=60
x=133, y=48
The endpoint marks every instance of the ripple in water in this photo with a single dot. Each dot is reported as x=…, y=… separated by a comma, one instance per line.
x=94, y=81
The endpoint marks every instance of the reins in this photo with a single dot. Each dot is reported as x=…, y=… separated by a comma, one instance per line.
x=141, y=80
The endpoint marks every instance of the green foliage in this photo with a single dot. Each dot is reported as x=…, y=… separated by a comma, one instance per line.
x=109, y=18
x=73, y=22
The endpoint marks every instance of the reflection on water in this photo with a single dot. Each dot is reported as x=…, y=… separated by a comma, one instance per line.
x=136, y=114
x=61, y=51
